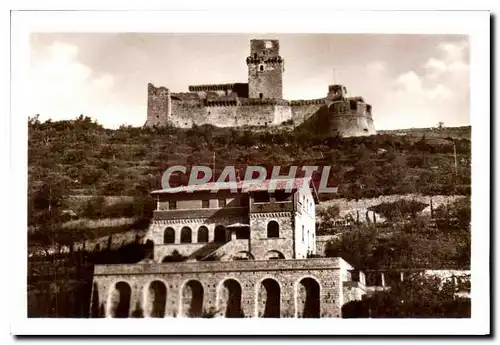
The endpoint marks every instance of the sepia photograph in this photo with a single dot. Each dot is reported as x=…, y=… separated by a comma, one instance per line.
x=191, y=175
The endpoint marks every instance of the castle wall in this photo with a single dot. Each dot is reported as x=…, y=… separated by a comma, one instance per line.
x=159, y=106
x=352, y=125
x=185, y=116
x=301, y=113
x=211, y=276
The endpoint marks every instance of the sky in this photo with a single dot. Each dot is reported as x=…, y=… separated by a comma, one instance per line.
x=410, y=80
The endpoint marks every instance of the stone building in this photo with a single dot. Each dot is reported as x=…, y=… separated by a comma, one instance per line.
x=259, y=102
x=233, y=250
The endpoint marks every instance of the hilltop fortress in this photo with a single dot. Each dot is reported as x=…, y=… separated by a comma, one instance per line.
x=259, y=102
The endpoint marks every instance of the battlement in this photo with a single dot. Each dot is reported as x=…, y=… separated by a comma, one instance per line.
x=301, y=102
x=215, y=87
x=266, y=60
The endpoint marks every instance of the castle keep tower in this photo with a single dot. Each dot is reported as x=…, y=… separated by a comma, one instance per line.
x=265, y=70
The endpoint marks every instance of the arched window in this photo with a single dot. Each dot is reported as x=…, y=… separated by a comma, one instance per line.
x=169, y=236
x=273, y=229
x=202, y=234
x=186, y=235
x=261, y=68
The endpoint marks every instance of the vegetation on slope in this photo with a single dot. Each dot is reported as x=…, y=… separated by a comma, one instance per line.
x=131, y=161
x=80, y=157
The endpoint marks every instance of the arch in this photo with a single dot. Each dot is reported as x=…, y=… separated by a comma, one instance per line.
x=169, y=236
x=192, y=295
x=273, y=229
x=243, y=255
x=307, y=297
x=120, y=300
x=156, y=299
x=186, y=235
x=269, y=298
x=274, y=255
x=202, y=234
x=229, y=299
x=220, y=234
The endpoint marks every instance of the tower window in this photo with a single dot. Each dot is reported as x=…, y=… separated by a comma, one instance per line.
x=261, y=68
x=261, y=95
x=172, y=205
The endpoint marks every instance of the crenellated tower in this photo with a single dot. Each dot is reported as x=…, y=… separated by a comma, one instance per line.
x=265, y=70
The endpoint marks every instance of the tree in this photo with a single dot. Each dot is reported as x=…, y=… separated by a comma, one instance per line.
x=399, y=210
x=416, y=296
x=355, y=247
x=327, y=217
x=45, y=209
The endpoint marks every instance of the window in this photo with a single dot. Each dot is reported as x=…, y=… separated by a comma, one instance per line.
x=273, y=229
x=186, y=235
x=202, y=234
x=353, y=105
x=269, y=44
x=220, y=234
x=169, y=236
x=261, y=95
x=303, y=233
x=205, y=203
x=172, y=205
x=261, y=68
x=222, y=202
x=261, y=197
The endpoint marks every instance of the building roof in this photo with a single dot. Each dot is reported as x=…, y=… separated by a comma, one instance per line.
x=263, y=186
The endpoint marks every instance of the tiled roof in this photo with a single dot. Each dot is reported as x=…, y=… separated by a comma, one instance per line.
x=276, y=184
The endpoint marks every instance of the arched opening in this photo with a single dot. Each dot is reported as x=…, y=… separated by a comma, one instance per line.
x=220, y=234
x=273, y=229
x=169, y=236
x=192, y=299
x=230, y=299
x=269, y=298
x=120, y=300
x=243, y=255
x=274, y=255
x=157, y=299
x=261, y=68
x=261, y=95
x=308, y=298
x=186, y=235
x=202, y=234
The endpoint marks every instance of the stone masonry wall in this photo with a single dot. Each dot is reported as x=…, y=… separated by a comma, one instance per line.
x=301, y=113
x=229, y=116
x=159, y=106
x=211, y=275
